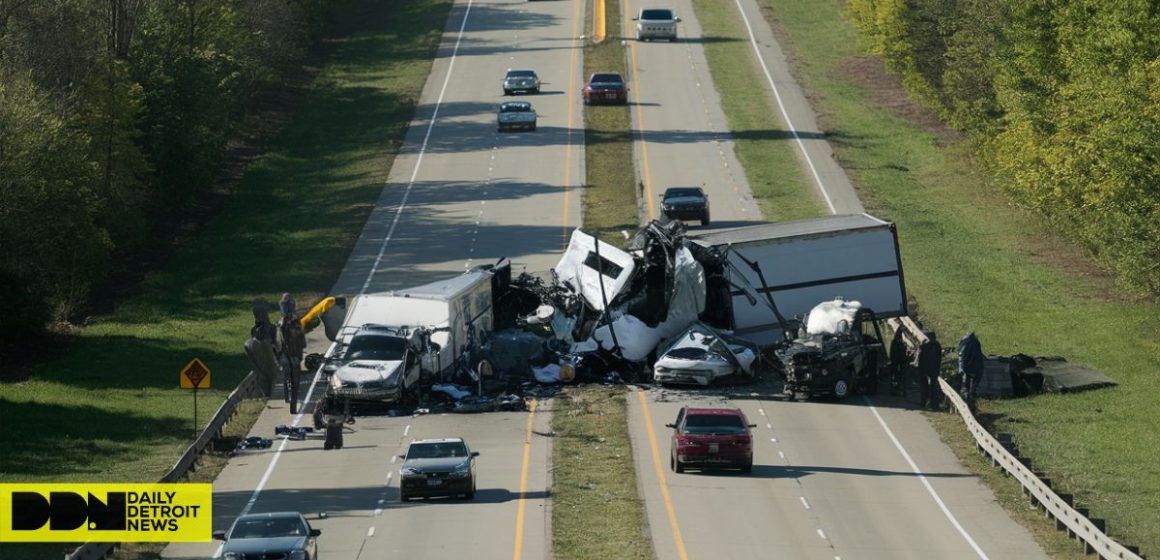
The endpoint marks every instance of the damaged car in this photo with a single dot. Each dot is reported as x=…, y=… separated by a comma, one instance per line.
x=381, y=363
x=838, y=352
x=700, y=356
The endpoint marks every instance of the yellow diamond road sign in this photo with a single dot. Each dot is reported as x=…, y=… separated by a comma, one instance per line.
x=195, y=375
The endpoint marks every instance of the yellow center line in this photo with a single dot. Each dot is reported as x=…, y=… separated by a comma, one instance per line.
x=524, y=481
x=647, y=174
x=656, y=457
x=576, y=18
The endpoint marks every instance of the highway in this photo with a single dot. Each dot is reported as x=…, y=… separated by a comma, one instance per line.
x=857, y=479
x=460, y=194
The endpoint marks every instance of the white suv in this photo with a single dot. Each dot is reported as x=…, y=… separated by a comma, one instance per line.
x=656, y=23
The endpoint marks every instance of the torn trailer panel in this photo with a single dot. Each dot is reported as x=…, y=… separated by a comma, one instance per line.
x=803, y=263
x=597, y=278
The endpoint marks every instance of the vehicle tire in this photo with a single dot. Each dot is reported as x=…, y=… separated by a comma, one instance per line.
x=673, y=39
x=536, y=91
x=403, y=497
x=841, y=388
x=327, y=445
x=507, y=91
x=533, y=128
x=705, y=220
x=678, y=467
x=747, y=468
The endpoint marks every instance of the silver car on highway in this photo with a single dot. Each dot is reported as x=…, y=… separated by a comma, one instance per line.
x=521, y=81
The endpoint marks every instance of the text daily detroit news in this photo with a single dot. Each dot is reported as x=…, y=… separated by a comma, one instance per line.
x=106, y=512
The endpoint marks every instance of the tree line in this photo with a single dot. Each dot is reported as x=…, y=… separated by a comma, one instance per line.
x=113, y=115
x=1062, y=99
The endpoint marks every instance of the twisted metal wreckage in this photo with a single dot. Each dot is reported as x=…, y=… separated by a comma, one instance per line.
x=483, y=340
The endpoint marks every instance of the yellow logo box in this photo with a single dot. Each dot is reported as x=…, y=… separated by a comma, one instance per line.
x=106, y=512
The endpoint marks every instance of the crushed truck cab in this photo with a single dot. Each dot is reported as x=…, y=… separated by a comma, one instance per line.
x=838, y=351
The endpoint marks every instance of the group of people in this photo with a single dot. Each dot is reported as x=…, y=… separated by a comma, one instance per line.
x=286, y=337
x=927, y=363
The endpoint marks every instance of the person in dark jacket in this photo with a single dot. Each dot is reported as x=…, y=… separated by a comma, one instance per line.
x=970, y=366
x=929, y=363
x=899, y=360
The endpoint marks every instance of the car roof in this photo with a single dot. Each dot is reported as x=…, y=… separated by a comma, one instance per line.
x=690, y=411
x=439, y=440
x=516, y=104
x=521, y=70
x=678, y=189
x=606, y=74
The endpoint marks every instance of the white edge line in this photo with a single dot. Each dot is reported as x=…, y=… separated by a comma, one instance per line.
x=422, y=150
x=274, y=460
x=921, y=477
x=784, y=114
x=804, y=502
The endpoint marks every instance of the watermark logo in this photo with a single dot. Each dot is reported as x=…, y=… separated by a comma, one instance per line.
x=106, y=512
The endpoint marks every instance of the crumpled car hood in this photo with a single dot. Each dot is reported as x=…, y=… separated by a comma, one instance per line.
x=363, y=371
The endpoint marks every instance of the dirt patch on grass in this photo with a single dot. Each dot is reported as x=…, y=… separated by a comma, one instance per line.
x=886, y=91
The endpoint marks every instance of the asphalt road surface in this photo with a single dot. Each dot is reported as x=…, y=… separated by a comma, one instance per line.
x=682, y=138
x=460, y=194
x=855, y=479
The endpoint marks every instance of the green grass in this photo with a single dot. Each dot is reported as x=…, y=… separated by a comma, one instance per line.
x=975, y=262
x=597, y=511
x=762, y=145
x=109, y=408
x=610, y=193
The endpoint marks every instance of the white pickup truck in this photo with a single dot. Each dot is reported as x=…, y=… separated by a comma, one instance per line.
x=515, y=115
x=656, y=23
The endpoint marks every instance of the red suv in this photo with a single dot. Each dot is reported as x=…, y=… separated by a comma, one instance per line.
x=711, y=438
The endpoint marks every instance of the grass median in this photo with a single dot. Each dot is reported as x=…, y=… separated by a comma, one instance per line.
x=108, y=409
x=974, y=262
x=597, y=511
x=610, y=192
x=594, y=487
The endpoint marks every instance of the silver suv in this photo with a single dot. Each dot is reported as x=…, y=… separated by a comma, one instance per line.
x=656, y=23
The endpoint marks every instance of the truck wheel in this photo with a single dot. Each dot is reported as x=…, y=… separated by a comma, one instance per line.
x=841, y=388
x=705, y=220
x=533, y=128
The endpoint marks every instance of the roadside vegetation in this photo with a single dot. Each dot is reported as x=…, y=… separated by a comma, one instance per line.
x=762, y=144
x=114, y=116
x=610, y=192
x=597, y=511
x=977, y=262
x=107, y=408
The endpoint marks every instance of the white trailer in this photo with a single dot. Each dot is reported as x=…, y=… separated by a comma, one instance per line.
x=804, y=263
x=458, y=311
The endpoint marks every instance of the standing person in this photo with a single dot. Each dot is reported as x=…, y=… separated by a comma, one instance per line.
x=970, y=366
x=929, y=363
x=899, y=360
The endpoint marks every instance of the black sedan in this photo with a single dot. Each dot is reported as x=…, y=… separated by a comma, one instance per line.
x=284, y=534
x=437, y=467
x=686, y=203
x=605, y=87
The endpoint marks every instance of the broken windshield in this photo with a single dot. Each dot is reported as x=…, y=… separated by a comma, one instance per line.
x=372, y=347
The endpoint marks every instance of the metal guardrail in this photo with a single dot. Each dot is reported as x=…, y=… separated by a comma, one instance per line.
x=247, y=387
x=1077, y=524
